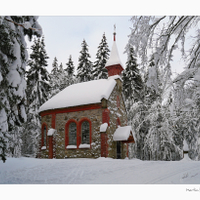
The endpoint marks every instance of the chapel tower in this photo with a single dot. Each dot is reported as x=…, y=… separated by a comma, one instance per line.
x=114, y=65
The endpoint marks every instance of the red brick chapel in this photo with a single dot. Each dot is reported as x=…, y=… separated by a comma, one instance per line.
x=89, y=119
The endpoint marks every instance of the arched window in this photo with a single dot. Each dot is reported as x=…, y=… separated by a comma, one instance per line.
x=72, y=133
x=85, y=132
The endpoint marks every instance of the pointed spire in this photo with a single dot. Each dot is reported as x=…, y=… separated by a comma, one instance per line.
x=113, y=64
x=114, y=34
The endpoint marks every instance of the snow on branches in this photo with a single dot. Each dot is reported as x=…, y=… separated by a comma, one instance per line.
x=25, y=25
x=163, y=35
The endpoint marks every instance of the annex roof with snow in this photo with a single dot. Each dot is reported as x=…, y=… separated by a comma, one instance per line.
x=123, y=134
x=81, y=94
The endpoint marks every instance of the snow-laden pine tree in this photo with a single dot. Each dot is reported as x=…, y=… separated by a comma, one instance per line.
x=153, y=86
x=70, y=72
x=140, y=109
x=55, y=69
x=13, y=61
x=99, y=70
x=84, y=69
x=133, y=86
x=38, y=89
x=70, y=67
x=54, y=78
x=133, y=89
x=162, y=142
x=187, y=112
x=153, y=122
x=62, y=77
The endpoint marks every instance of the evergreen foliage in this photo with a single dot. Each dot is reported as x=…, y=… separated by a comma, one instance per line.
x=71, y=79
x=70, y=67
x=99, y=70
x=38, y=89
x=13, y=60
x=153, y=88
x=133, y=85
x=156, y=138
x=54, y=78
x=186, y=109
x=61, y=77
x=54, y=70
x=84, y=70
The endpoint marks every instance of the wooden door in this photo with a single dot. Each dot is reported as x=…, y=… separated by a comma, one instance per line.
x=119, y=150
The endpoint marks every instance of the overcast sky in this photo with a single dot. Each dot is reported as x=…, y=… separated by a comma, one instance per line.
x=66, y=23
x=64, y=35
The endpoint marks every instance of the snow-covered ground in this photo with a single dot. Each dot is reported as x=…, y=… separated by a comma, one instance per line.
x=100, y=171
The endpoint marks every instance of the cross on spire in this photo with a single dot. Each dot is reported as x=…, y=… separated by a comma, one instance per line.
x=114, y=32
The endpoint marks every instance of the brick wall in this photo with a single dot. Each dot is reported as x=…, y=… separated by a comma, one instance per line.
x=117, y=113
x=95, y=116
x=47, y=119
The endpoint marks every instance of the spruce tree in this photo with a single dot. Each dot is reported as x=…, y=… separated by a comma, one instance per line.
x=55, y=69
x=84, y=70
x=62, y=77
x=37, y=76
x=133, y=90
x=38, y=89
x=132, y=81
x=70, y=71
x=60, y=70
x=54, y=77
x=70, y=67
x=99, y=70
x=13, y=61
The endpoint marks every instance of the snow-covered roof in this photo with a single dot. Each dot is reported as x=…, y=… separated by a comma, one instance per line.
x=51, y=131
x=81, y=94
x=122, y=133
x=114, y=56
x=103, y=127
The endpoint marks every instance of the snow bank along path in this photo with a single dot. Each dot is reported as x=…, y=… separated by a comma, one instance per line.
x=101, y=170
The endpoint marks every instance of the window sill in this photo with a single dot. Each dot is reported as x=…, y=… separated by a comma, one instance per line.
x=71, y=147
x=84, y=146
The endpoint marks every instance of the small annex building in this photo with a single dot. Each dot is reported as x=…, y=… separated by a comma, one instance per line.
x=89, y=119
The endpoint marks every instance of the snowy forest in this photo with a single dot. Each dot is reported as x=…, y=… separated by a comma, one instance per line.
x=164, y=111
